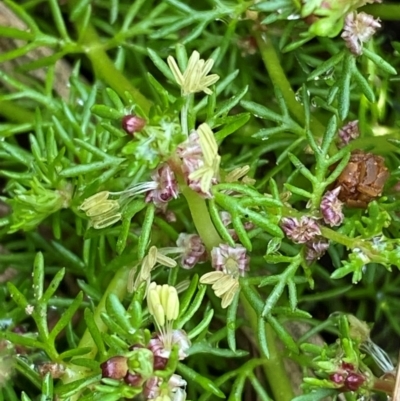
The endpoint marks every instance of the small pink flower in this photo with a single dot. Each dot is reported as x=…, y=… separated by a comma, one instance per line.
x=331, y=208
x=194, y=250
x=131, y=124
x=358, y=29
x=300, y=230
x=166, y=187
x=161, y=345
x=231, y=261
x=315, y=249
x=349, y=132
x=152, y=388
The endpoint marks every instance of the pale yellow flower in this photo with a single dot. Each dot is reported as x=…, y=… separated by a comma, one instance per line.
x=211, y=158
x=237, y=173
x=163, y=303
x=153, y=257
x=102, y=212
x=195, y=78
x=224, y=285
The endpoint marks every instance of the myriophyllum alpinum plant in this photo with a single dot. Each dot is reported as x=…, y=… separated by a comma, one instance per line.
x=199, y=201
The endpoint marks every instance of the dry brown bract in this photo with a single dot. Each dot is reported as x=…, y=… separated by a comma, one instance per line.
x=362, y=180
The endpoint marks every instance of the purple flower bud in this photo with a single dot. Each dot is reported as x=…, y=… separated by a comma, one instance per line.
x=131, y=124
x=337, y=378
x=348, y=133
x=331, y=208
x=133, y=380
x=354, y=381
x=358, y=29
x=349, y=367
x=160, y=363
x=115, y=368
x=194, y=250
x=300, y=230
x=316, y=248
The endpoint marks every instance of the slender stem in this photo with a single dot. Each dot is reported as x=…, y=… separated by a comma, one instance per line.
x=279, y=80
x=273, y=367
x=184, y=115
x=201, y=219
x=389, y=12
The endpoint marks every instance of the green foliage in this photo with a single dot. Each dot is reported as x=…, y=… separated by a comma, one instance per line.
x=287, y=84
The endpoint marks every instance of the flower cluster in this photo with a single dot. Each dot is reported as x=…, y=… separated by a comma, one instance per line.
x=230, y=264
x=139, y=366
x=358, y=29
x=347, y=377
x=300, y=230
x=306, y=231
x=195, y=78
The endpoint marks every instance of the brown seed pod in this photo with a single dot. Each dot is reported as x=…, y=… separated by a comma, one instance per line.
x=362, y=180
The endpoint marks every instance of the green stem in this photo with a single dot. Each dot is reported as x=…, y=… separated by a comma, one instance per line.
x=201, y=219
x=389, y=12
x=279, y=80
x=118, y=287
x=273, y=367
x=104, y=67
x=184, y=115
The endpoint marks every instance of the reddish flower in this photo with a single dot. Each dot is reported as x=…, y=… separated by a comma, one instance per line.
x=354, y=381
x=131, y=124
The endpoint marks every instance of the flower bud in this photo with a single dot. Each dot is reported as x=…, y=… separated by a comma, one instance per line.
x=300, y=230
x=131, y=124
x=354, y=381
x=114, y=368
x=331, y=208
x=133, y=380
